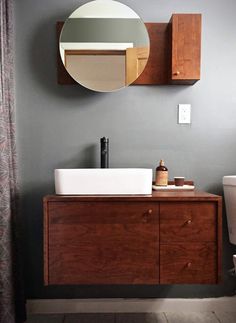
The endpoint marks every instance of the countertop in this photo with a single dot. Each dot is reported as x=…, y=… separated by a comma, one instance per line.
x=155, y=196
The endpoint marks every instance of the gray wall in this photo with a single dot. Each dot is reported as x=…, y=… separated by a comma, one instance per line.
x=60, y=126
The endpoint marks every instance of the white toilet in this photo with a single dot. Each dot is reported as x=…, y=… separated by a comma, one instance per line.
x=229, y=183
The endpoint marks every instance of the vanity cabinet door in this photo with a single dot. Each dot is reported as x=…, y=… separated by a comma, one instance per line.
x=186, y=48
x=188, y=221
x=188, y=263
x=188, y=243
x=102, y=243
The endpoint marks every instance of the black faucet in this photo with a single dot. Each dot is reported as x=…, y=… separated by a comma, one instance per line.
x=104, y=152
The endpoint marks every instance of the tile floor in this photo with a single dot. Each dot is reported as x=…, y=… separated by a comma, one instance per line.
x=167, y=317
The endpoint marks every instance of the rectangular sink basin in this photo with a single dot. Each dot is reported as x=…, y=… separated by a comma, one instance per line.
x=100, y=181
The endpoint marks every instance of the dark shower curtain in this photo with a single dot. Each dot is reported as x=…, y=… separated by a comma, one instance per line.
x=11, y=292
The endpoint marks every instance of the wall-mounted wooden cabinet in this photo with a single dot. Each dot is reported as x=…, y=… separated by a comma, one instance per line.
x=175, y=50
x=185, y=31
x=166, y=238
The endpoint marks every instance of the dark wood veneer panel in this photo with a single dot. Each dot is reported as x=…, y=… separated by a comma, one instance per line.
x=185, y=48
x=103, y=254
x=156, y=196
x=45, y=241
x=97, y=243
x=101, y=212
x=175, y=52
x=156, y=70
x=188, y=221
x=188, y=263
x=219, y=240
x=115, y=240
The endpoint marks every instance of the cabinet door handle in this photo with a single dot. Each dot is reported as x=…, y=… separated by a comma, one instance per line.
x=189, y=221
x=146, y=214
x=189, y=265
x=176, y=73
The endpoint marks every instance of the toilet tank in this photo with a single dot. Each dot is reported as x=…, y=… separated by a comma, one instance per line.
x=229, y=184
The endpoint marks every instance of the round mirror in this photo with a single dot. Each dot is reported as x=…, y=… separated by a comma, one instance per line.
x=104, y=45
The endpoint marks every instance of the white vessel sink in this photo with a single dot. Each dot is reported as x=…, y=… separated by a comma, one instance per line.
x=108, y=181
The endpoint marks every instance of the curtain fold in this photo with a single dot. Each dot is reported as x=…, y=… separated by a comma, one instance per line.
x=11, y=292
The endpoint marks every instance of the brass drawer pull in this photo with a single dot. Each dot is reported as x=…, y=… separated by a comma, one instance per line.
x=189, y=265
x=146, y=214
x=189, y=221
x=176, y=73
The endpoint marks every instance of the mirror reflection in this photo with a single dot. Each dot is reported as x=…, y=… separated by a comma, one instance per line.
x=104, y=45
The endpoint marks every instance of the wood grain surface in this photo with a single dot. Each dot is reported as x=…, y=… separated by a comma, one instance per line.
x=188, y=221
x=156, y=70
x=116, y=239
x=103, y=243
x=185, y=48
x=175, y=50
x=156, y=196
x=188, y=263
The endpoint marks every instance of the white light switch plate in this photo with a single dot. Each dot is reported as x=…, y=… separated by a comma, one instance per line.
x=184, y=114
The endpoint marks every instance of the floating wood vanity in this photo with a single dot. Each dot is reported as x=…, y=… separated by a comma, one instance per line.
x=164, y=238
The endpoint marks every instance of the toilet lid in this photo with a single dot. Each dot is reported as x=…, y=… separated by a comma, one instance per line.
x=229, y=180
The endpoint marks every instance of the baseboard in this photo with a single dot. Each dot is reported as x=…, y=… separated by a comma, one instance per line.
x=46, y=306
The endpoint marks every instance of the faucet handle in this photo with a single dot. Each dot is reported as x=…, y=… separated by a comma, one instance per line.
x=104, y=143
x=104, y=140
